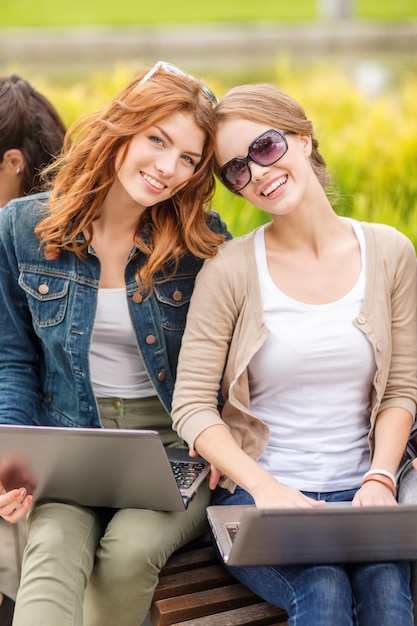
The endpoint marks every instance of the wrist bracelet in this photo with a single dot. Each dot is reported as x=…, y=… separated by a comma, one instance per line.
x=382, y=472
x=380, y=478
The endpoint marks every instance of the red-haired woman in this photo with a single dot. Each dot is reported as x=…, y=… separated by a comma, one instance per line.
x=95, y=282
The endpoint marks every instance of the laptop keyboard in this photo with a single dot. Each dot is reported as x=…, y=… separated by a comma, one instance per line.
x=232, y=530
x=186, y=472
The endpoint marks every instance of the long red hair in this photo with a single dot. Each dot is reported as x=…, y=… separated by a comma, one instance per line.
x=85, y=171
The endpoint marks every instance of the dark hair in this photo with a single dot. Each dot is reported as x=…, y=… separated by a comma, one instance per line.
x=29, y=122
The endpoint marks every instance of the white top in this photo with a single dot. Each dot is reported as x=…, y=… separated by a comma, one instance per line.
x=116, y=367
x=310, y=382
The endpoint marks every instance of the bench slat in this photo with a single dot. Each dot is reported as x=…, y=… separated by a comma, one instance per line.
x=189, y=606
x=262, y=614
x=192, y=580
x=184, y=560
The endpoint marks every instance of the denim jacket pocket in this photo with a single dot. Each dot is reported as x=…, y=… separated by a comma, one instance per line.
x=47, y=297
x=173, y=298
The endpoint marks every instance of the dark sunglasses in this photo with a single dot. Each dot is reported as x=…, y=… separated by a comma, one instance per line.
x=265, y=150
x=173, y=69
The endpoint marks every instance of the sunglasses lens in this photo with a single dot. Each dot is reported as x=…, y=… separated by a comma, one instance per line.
x=173, y=69
x=268, y=148
x=235, y=174
x=207, y=93
x=265, y=150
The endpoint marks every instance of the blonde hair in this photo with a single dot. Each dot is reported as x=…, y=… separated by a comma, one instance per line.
x=85, y=172
x=267, y=104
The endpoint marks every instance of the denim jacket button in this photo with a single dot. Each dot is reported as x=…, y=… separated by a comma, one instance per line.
x=137, y=297
x=43, y=289
x=177, y=296
x=150, y=339
x=161, y=376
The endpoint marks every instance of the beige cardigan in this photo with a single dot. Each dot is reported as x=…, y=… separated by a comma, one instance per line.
x=225, y=329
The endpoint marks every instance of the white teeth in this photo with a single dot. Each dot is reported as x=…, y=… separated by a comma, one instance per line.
x=273, y=186
x=153, y=182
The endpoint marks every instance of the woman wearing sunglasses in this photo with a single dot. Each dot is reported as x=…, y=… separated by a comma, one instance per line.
x=95, y=283
x=312, y=332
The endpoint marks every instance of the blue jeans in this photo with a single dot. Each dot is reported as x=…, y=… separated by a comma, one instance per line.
x=363, y=594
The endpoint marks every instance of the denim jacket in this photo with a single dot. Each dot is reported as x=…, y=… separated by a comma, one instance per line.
x=47, y=311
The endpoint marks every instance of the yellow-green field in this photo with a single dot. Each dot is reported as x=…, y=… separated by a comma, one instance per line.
x=370, y=144
x=18, y=13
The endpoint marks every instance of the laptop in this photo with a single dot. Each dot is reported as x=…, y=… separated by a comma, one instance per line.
x=336, y=533
x=99, y=467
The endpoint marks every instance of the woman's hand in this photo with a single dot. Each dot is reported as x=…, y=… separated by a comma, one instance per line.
x=16, y=488
x=273, y=495
x=373, y=493
x=218, y=446
x=14, y=504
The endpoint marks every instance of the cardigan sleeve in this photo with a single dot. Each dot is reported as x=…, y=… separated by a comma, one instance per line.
x=401, y=387
x=205, y=345
x=224, y=329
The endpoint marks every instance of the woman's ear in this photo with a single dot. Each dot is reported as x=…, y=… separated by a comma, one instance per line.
x=307, y=144
x=12, y=167
x=13, y=160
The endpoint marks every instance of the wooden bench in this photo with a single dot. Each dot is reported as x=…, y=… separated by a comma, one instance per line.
x=196, y=590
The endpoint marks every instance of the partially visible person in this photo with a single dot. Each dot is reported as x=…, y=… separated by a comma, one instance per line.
x=31, y=136
x=95, y=282
x=312, y=331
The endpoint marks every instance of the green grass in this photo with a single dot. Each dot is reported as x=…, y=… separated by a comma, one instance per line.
x=24, y=13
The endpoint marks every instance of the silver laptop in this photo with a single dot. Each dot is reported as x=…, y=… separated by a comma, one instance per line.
x=99, y=467
x=336, y=533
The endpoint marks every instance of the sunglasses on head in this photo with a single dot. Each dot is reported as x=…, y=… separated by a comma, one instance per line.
x=173, y=69
x=265, y=150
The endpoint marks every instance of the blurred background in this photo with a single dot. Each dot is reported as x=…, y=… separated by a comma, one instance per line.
x=351, y=63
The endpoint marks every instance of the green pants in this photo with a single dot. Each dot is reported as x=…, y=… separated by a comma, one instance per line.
x=99, y=567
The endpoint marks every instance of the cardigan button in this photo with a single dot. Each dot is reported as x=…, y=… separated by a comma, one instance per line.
x=361, y=319
x=150, y=339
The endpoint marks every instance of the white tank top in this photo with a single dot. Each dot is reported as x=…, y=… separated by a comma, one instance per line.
x=116, y=367
x=310, y=382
